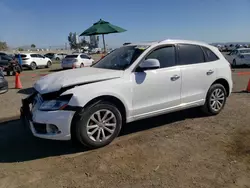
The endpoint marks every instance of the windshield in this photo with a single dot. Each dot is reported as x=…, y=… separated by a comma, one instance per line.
x=245, y=51
x=121, y=58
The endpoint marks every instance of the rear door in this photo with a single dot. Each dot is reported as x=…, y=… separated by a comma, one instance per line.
x=198, y=72
x=42, y=60
x=86, y=60
x=35, y=59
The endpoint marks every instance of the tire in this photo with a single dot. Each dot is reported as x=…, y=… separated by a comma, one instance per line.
x=48, y=64
x=234, y=63
x=57, y=59
x=16, y=69
x=81, y=127
x=33, y=66
x=82, y=65
x=210, y=107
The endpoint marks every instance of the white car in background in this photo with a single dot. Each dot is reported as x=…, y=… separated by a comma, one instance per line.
x=240, y=56
x=76, y=61
x=34, y=61
x=135, y=81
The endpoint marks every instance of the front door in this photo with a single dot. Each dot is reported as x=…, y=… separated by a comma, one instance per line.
x=157, y=91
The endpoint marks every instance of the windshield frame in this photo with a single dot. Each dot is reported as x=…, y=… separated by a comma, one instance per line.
x=132, y=59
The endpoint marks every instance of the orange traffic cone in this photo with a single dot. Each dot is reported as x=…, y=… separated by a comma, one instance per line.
x=248, y=86
x=18, y=84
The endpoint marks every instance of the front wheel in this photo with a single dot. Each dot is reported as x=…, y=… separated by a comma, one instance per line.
x=234, y=63
x=97, y=125
x=215, y=100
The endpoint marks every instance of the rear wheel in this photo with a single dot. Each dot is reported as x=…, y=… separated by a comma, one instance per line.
x=49, y=64
x=97, y=125
x=33, y=66
x=215, y=100
x=57, y=59
x=82, y=65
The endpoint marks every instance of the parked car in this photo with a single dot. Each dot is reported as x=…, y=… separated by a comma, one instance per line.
x=54, y=56
x=134, y=82
x=33, y=61
x=9, y=65
x=240, y=56
x=77, y=61
x=3, y=83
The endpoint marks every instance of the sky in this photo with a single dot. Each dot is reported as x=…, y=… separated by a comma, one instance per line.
x=48, y=22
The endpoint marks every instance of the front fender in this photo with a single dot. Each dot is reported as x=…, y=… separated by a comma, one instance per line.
x=118, y=88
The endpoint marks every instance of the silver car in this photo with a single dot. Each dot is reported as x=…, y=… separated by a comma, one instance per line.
x=240, y=56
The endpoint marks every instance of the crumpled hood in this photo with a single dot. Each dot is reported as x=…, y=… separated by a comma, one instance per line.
x=55, y=81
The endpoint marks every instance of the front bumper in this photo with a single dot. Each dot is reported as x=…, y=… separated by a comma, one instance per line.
x=3, y=86
x=38, y=121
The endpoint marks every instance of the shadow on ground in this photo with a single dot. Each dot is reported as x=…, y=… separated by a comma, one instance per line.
x=56, y=70
x=26, y=91
x=18, y=145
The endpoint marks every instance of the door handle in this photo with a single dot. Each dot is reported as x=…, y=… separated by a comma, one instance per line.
x=210, y=72
x=175, y=77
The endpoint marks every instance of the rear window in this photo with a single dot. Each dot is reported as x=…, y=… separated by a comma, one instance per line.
x=71, y=56
x=245, y=51
x=22, y=56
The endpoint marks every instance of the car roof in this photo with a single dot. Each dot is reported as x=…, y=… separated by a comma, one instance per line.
x=243, y=49
x=171, y=41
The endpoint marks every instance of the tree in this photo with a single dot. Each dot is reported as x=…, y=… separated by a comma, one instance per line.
x=72, y=40
x=74, y=44
x=20, y=49
x=3, y=45
x=33, y=46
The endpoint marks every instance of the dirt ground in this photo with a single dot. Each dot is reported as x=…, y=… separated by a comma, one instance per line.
x=182, y=149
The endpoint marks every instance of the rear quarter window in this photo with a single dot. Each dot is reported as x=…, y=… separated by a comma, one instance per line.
x=22, y=56
x=210, y=56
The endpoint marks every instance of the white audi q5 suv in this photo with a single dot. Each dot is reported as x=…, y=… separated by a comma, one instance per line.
x=133, y=82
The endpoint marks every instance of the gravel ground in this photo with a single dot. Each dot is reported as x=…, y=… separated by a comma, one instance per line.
x=182, y=149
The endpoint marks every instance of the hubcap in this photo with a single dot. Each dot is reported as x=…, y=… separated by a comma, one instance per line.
x=101, y=125
x=217, y=99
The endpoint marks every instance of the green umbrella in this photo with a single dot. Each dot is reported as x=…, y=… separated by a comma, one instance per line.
x=100, y=28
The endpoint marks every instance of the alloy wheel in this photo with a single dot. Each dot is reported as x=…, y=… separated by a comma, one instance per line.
x=101, y=125
x=217, y=99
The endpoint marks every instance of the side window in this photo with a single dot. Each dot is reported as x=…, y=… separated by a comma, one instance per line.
x=190, y=54
x=84, y=56
x=210, y=56
x=33, y=55
x=165, y=55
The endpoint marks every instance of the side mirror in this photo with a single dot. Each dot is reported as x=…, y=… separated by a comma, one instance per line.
x=149, y=64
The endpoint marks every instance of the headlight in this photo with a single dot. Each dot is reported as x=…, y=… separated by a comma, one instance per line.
x=53, y=105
